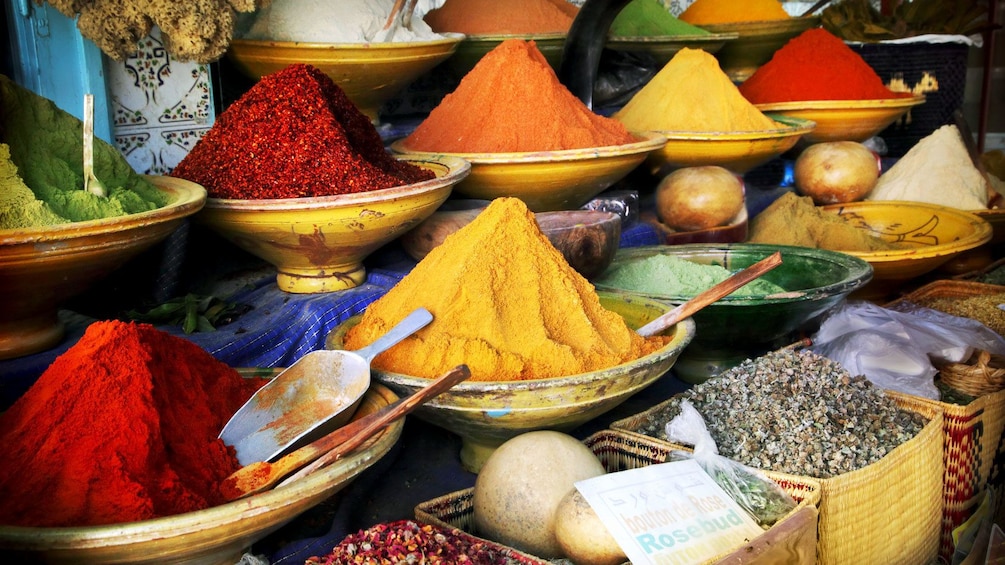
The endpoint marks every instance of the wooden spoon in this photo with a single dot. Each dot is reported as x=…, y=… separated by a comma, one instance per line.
x=262, y=475
x=91, y=182
x=711, y=294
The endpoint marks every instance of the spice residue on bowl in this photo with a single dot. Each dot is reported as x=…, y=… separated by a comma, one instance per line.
x=795, y=220
x=512, y=102
x=44, y=148
x=691, y=93
x=294, y=134
x=815, y=65
x=506, y=303
x=513, y=17
x=122, y=427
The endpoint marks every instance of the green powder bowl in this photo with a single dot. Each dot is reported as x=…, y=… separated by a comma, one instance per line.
x=734, y=328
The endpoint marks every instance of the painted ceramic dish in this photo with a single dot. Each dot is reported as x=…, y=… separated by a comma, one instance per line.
x=845, y=120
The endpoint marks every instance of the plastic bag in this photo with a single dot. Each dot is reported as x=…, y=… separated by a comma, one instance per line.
x=894, y=348
x=761, y=497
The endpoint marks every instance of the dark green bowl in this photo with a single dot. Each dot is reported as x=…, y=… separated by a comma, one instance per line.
x=734, y=328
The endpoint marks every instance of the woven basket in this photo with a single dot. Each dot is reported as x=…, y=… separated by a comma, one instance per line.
x=792, y=540
x=973, y=453
x=937, y=70
x=887, y=512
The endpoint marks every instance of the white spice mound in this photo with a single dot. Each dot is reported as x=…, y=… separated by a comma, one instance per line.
x=333, y=21
x=937, y=170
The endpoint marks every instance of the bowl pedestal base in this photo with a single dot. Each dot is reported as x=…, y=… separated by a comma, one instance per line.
x=474, y=453
x=326, y=280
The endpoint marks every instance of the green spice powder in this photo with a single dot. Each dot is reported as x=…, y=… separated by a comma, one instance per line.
x=669, y=275
x=644, y=18
x=46, y=148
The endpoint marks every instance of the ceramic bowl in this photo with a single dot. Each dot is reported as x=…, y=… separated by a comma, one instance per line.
x=756, y=44
x=845, y=120
x=735, y=231
x=588, y=239
x=927, y=235
x=486, y=414
x=734, y=328
x=214, y=536
x=736, y=151
x=548, y=180
x=318, y=244
x=40, y=268
x=472, y=48
x=663, y=48
x=369, y=73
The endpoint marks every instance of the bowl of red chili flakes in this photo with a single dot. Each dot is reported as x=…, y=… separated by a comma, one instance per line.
x=318, y=244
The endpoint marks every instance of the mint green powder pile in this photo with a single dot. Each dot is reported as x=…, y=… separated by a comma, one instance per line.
x=673, y=276
x=646, y=18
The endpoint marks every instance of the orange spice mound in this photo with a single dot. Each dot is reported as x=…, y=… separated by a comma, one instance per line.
x=487, y=17
x=506, y=303
x=728, y=11
x=512, y=101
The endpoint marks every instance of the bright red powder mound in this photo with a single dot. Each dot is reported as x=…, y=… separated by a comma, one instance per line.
x=122, y=427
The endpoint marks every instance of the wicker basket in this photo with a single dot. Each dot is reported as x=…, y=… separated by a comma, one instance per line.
x=791, y=540
x=972, y=438
x=937, y=70
x=887, y=512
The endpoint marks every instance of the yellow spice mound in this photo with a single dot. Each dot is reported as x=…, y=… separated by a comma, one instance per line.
x=691, y=93
x=506, y=303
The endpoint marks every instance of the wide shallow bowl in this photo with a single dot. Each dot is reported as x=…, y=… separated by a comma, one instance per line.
x=369, y=73
x=318, y=244
x=734, y=328
x=218, y=535
x=472, y=48
x=40, y=268
x=548, y=180
x=733, y=232
x=756, y=44
x=736, y=151
x=486, y=414
x=588, y=239
x=845, y=120
x=927, y=235
x=663, y=47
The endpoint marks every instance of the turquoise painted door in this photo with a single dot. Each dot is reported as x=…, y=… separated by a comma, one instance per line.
x=51, y=58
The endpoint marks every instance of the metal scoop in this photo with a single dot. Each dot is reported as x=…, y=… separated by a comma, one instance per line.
x=313, y=396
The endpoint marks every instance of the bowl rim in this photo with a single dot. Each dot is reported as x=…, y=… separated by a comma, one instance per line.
x=710, y=37
x=981, y=234
x=31, y=539
x=764, y=26
x=684, y=332
x=449, y=38
x=647, y=141
x=860, y=272
x=793, y=126
x=457, y=170
x=865, y=104
x=494, y=37
x=189, y=198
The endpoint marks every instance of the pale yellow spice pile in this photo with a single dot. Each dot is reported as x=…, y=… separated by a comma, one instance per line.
x=795, y=220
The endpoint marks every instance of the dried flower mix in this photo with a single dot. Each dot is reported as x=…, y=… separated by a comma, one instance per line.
x=406, y=541
x=813, y=418
x=985, y=308
x=294, y=134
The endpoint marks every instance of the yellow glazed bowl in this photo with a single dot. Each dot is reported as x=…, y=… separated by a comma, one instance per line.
x=736, y=151
x=663, y=48
x=217, y=535
x=473, y=47
x=369, y=73
x=929, y=235
x=42, y=267
x=548, y=181
x=486, y=414
x=756, y=44
x=318, y=244
x=845, y=120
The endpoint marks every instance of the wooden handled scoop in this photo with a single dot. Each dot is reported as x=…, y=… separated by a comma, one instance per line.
x=262, y=475
x=711, y=294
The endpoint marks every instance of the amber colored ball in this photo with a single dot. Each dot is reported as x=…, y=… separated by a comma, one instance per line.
x=697, y=198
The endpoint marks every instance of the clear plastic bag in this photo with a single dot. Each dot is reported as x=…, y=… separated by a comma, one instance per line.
x=894, y=348
x=761, y=497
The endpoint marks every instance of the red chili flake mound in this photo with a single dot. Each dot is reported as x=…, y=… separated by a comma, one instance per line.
x=294, y=134
x=406, y=541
